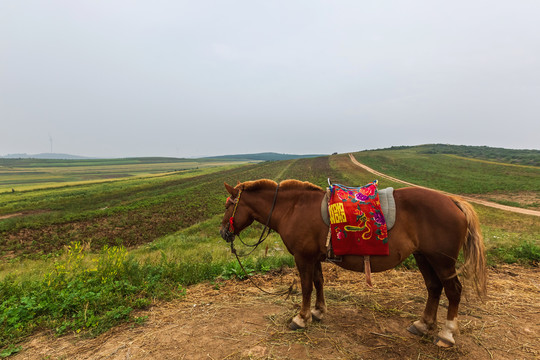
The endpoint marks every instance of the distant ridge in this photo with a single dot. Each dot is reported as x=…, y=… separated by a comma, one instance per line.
x=267, y=156
x=53, y=156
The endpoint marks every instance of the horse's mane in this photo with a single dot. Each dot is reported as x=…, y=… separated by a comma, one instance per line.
x=297, y=184
x=285, y=184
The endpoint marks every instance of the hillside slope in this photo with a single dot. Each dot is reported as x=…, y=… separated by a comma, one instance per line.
x=455, y=174
x=468, y=198
x=511, y=156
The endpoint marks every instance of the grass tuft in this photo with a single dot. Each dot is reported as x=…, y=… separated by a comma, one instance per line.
x=524, y=253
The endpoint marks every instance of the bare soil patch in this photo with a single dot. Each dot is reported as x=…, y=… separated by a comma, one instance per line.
x=2, y=217
x=529, y=199
x=7, y=216
x=234, y=320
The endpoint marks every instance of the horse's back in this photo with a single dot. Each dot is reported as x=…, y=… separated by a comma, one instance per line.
x=429, y=220
x=420, y=205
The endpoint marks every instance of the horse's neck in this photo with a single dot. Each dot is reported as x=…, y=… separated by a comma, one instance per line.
x=261, y=205
x=283, y=209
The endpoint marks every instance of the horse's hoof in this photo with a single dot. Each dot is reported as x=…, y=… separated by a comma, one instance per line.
x=413, y=330
x=445, y=338
x=418, y=328
x=316, y=315
x=440, y=342
x=297, y=323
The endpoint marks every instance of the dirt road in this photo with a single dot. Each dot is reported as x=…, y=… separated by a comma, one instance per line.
x=468, y=198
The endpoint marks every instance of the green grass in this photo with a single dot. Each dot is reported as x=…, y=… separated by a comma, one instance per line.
x=510, y=156
x=79, y=295
x=453, y=174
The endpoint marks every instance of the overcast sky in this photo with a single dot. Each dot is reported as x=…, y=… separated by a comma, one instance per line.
x=197, y=78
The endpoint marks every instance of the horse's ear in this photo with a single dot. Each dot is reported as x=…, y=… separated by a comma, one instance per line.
x=231, y=190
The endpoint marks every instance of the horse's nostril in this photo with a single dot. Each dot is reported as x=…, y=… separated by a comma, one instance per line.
x=226, y=235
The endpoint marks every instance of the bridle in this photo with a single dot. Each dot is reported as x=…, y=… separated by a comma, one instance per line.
x=229, y=234
x=230, y=227
x=231, y=220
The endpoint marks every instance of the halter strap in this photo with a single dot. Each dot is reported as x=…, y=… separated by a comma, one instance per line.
x=261, y=239
x=231, y=220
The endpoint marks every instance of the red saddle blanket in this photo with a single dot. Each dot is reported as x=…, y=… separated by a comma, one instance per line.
x=357, y=223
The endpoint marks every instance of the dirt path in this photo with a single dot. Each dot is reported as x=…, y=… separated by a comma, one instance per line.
x=233, y=320
x=2, y=217
x=7, y=216
x=468, y=198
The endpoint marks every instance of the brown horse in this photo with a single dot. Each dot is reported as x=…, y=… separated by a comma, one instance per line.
x=430, y=225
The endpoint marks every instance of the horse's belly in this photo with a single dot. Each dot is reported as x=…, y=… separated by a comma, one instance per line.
x=378, y=263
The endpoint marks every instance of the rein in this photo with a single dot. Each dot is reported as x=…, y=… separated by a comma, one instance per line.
x=287, y=292
x=254, y=246
x=266, y=226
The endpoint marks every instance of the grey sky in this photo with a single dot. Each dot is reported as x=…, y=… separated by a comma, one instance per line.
x=197, y=78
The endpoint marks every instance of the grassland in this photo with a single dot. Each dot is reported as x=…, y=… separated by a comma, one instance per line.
x=82, y=257
x=498, y=155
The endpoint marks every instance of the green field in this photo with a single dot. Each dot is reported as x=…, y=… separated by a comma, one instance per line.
x=80, y=257
x=29, y=174
x=517, y=185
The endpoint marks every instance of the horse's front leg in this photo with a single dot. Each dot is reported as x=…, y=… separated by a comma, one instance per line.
x=306, y=270
x=320, y=305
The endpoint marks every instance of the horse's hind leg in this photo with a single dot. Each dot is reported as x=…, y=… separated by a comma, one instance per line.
x=452, y=289
x=439, y=273
x=445, y=268
x=434, y=288
x=320, y=305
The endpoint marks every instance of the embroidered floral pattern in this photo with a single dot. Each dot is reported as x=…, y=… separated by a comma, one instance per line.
x=360, y=228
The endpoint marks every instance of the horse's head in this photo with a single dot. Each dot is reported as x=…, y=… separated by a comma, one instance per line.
x=237, y=215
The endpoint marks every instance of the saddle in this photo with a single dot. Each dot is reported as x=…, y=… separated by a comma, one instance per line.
x=388, y=207
x=358, y=219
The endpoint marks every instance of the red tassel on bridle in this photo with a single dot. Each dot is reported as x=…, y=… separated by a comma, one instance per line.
x=231, y=220
x=231, y=226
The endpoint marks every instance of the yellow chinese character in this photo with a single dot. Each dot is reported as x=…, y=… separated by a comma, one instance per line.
x=337, y=213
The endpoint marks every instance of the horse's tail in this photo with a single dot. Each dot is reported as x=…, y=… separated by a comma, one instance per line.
x=473, y=248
